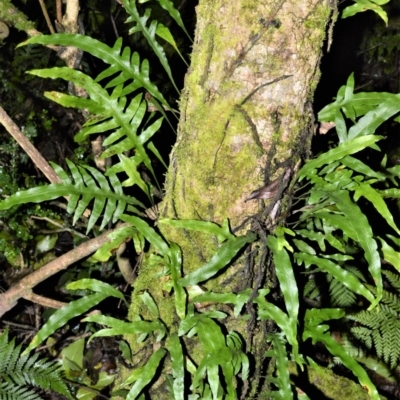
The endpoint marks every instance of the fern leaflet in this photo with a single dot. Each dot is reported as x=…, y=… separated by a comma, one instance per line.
x=21, y=375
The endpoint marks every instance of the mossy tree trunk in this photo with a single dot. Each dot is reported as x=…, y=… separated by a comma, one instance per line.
x=246, y=120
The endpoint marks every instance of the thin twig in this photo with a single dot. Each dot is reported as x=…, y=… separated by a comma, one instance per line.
x=24, y=287
x=46, y=17
x=28, y=147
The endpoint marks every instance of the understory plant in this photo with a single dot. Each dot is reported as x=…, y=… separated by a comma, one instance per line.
x=333, y=243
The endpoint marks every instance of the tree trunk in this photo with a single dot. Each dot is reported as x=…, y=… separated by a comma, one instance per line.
x=246, y=120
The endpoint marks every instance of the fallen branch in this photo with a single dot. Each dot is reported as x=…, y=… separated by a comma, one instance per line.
x=23, y=289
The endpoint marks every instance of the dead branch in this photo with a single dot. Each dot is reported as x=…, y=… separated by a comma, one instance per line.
x=23, y=289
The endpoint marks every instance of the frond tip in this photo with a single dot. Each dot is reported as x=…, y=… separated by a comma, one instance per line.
x=22, y=375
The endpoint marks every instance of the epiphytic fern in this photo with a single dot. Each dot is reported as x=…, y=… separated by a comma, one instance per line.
x=85, y=188
x=125, y=66
x=23, y=376
x=111, y=114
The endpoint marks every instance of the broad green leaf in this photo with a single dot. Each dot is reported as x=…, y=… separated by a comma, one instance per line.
x=344, y=149
x=221, y=232
x=390, y=255
x=239, y=299
x=312, y=235
x=359, y=103
x=318, y=334
x=36, y=195
x=124, y=65
x=149, y=233
x=218, y=261
x=362, y=168
x=304, y=247
x=345, y=277
x=372, y=195
x=63, y=315
x=365, y=5
x=131, y=169
x=178, y=366
x=282, y=366
x=288, y=286
x=165, y=34
x=368, y=124
x=74, y=352
x=96, y=286
x=117, y=237
x=210, y=335
x=315, y=316
x=362, y=233
x=119, y=327
x=155, y=151
x=149, y=302
x=271, y=311
x=147, y=374
x=180, y=294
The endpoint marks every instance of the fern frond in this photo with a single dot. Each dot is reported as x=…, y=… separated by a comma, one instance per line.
x=81, y=192
x=126, y=66
x=112, y=113
x=393, y=278
x=311, y=290
x=21, y=374
x=381, y=331
x=341, y=296
x=9, y=391
x=149, y=32
x=391, y=300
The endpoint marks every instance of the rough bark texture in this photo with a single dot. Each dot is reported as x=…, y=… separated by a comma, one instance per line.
x=245, y=121
x=245, y=110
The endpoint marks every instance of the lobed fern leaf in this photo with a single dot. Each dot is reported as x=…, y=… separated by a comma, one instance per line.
x=20, y=374
x=126, y=66
x=149, y=32
x=81, y=192
x=112, y=113
x=282, y=380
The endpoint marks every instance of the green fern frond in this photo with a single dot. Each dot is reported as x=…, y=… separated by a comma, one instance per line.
x=341, y=296
x=380, y=331
x=149, y=32
x=393, y=278
x=81, y=192
x=389, y=299
x=126, y=67
x=311, y=290
x=8, y=391
x=20, y=374
x=111, y=113
x=282, y=380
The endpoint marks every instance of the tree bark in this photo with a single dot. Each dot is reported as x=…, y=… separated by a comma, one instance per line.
x=246, y=120
x=245, y=110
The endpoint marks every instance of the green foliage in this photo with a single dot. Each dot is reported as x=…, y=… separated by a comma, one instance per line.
x=333, y=230
x=74, y=308
x=20, y=374
x=320, y=333
x=81, y=192
x=365, y=5
x=282, y=380
x=126, y=66
x=379, y=330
